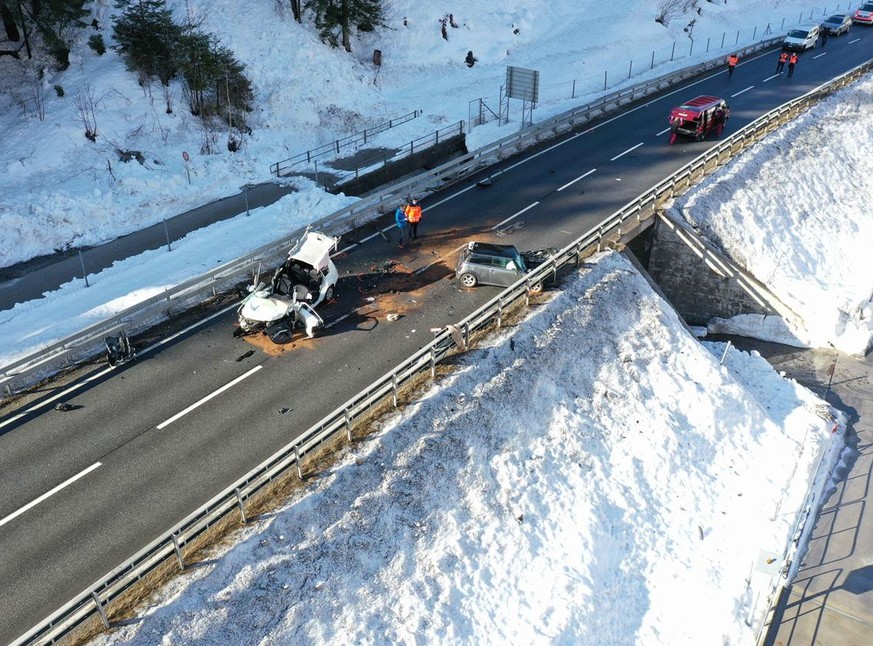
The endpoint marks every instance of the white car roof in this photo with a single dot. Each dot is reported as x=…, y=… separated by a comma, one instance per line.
x=313, y=249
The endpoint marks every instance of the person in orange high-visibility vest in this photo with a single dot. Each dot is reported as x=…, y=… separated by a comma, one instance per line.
x=783, y=58
x=792, y=61
x=413, y=216
x=733, y=59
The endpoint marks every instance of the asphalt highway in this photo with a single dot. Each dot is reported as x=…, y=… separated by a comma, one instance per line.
x=149, y=442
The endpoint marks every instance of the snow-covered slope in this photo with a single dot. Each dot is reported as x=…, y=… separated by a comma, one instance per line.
x=57, y=189
x=593, y=476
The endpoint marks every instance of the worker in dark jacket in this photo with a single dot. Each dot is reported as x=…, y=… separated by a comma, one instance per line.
x=402, y=224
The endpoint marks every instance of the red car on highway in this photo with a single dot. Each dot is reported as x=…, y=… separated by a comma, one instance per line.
x=698, y=117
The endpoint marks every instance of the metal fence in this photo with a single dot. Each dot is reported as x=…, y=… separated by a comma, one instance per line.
x=368, y=164
x=91, y=601
x=484, y=109
x=285, y=167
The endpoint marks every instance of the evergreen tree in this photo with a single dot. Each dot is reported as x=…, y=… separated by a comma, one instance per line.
x=215, y=81
x=335, y=19
x=199, y=67
x=52, y=19
x=146, y=38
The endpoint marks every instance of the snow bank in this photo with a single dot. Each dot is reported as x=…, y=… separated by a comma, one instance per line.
x=592, y=476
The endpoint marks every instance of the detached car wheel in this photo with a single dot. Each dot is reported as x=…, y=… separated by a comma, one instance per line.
x=468, y=280
x=536, y=288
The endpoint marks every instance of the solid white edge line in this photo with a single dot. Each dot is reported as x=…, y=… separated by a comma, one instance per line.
x=337, y=320
x=35, y=502
x=570, y=183
x=208, y=397
x=527, y=208
x=742, y=91
x=627, y=151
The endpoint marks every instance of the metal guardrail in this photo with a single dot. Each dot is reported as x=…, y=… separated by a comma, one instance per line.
x=88, y=343
x=416, y=145
x=282, y=168
x=92, y=600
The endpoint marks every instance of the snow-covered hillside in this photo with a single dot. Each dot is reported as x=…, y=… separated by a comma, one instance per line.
x=593, y=476
x=58, y=190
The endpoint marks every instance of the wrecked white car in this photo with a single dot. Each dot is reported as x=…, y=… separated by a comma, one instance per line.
x=307, y=278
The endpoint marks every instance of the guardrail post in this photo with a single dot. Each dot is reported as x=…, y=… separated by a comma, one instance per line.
x=653, y=60
x=178, y=551
x=348, y=424
x=102, y=612
x=573, y=93
x=432, y=363
x=707, y=45
x=167, y=235
x=754, y=32
x=241, y=505
x=605, y=77
x=722, y=39
x=466, y=335
x=673, y=51
x=630, y=69
x=499, y=314
x=738, y=34
x=394, y=389
x=297, y=460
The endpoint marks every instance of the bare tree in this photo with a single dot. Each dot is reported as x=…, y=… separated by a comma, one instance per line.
x=39, y=99
x=86, y=106
x=670, y=9
x=297, y=10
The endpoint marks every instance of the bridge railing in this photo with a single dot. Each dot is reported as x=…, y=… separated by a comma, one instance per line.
x=389, y=388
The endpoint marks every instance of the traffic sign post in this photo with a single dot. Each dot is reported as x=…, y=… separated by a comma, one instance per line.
x=187, y=158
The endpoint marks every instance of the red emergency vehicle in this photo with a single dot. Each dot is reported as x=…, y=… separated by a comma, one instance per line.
x=698, y=117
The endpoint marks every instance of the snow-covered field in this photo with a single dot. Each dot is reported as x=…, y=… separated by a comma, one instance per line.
x=592, y=476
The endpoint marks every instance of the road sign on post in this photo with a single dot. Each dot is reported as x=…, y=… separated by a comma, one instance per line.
x=187, y=158
x=522, y=84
